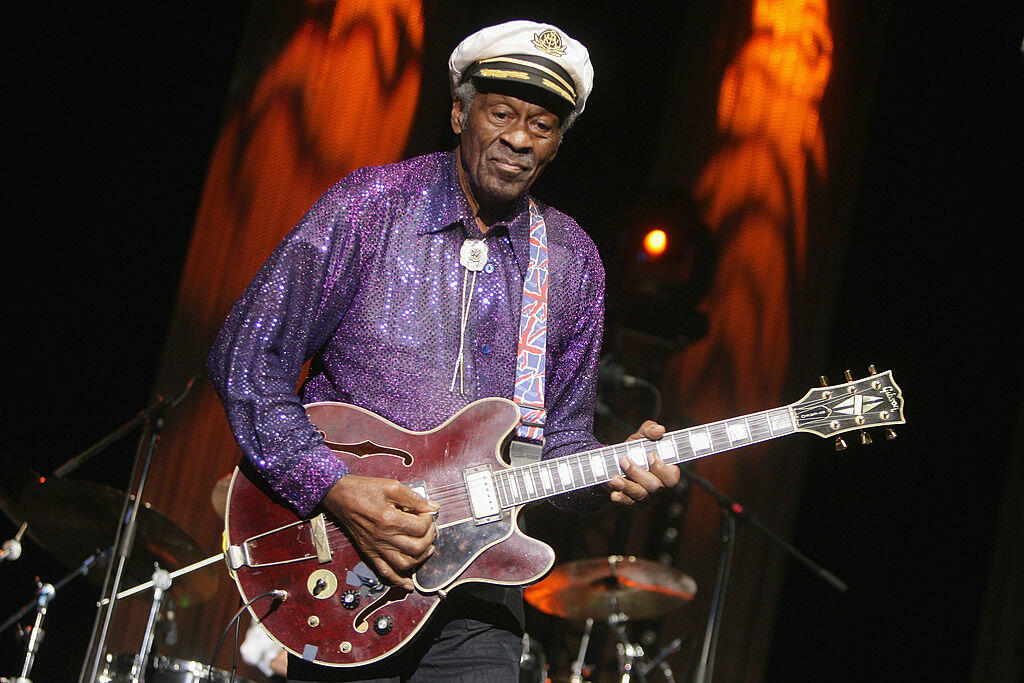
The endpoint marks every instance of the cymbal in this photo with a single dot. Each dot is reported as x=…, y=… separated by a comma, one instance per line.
x=601, y=587
x=72, y=519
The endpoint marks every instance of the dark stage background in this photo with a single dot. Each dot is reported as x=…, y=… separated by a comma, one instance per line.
x=113, y=115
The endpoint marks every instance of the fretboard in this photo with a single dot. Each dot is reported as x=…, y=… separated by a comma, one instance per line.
x=536, y=481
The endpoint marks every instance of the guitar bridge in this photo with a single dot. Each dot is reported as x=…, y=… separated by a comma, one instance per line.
x=483, y=499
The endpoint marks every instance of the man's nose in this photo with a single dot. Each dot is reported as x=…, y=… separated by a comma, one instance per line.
x=517, y=137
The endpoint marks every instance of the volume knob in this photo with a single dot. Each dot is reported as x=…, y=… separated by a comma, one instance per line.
x=382, y=625
x=350, y=599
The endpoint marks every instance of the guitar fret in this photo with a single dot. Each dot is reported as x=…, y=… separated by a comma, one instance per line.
x=514, y=486
x=681, y=441
x=720, y=437
x=528, y=483
x=586, y=476
x=544, y=472
x=502, y=487
x=667, y=450
x=738, y=431
x=781, y=421
x=759, y=427
x=564, y=474
x=538, y=484
x=700, y=441
x=637, y=452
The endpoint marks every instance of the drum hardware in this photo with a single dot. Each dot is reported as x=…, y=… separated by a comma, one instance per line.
x=173, y=575
x=45, y=592
x=658, y=661
x=161, y=584
x=533, y=663
x=125, y=525
x=577, y=666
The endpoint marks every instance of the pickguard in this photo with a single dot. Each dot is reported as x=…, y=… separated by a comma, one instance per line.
x=456, y=546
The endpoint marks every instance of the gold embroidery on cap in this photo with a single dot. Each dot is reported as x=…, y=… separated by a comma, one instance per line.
x=549, y=41
x=504, y=73
x=557, y=88
x=533, y=65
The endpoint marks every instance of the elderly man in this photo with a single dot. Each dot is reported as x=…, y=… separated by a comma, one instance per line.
x=412, y=286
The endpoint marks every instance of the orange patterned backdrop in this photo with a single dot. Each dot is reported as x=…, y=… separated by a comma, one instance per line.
x=339, y=92
x=753, y=195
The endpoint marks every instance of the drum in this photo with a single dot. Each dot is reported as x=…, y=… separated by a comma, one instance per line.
x=162, y=669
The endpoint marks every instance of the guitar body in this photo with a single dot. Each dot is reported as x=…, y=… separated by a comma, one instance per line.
x=337, y=613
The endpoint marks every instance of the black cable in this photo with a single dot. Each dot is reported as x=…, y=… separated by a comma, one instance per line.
x=234, y=656
x=277, y=594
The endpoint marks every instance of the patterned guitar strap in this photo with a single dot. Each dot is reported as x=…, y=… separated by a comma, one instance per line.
x=528, y=443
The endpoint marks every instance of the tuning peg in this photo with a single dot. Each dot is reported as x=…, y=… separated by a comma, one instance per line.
x=865, y=438
x=840, y=443
x=890, y=433
x=871, y=370
x=848, y=375
x=824, y=380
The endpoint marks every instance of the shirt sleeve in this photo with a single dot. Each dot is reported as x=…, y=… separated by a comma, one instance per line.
x=286, y=313
x=571, y=384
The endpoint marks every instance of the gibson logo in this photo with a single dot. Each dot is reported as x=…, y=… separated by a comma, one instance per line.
x=549, y=41
x=890, y=393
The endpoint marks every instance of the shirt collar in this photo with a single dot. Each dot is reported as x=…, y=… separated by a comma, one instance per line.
x=450, y=208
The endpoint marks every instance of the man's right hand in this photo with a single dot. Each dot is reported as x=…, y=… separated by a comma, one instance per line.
x=390, y=524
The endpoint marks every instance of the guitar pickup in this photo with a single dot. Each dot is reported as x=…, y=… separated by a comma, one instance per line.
x=483, y=499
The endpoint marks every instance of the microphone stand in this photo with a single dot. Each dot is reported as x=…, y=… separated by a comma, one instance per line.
x=45, y=592
x=732, y=511
x=145, y=416
x=153, y=419
x=82, y=570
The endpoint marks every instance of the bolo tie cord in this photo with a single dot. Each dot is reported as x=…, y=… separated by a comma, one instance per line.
x=460, y=361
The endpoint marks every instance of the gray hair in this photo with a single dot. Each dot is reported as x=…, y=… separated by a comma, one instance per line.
x=466, y=92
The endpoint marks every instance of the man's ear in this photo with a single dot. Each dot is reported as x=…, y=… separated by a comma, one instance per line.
x=457, y=117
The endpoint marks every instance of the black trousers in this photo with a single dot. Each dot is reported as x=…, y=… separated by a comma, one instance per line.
x=466, y=640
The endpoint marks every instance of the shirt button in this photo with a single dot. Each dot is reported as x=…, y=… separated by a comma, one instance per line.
x=488, y=268
x=485, y=349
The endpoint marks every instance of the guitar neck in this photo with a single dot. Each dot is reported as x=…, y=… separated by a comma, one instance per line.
x=547, y=478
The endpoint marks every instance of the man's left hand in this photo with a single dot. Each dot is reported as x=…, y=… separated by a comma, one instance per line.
x=637, y=486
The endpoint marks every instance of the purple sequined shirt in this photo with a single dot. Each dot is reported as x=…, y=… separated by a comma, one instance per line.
x=370, y=282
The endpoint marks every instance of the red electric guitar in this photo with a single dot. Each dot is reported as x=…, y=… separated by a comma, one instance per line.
x=337, y=612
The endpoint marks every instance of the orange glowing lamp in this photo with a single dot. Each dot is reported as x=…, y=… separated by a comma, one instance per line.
x=655, y=242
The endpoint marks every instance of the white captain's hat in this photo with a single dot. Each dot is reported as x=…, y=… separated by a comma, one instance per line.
x=528, y=54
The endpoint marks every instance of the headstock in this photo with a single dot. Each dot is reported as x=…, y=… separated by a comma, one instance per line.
x=832, y=410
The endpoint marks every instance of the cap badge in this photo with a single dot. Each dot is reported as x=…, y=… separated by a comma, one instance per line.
x=549, y=41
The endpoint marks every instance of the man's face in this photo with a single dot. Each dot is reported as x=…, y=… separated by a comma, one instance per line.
x=504, y=145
